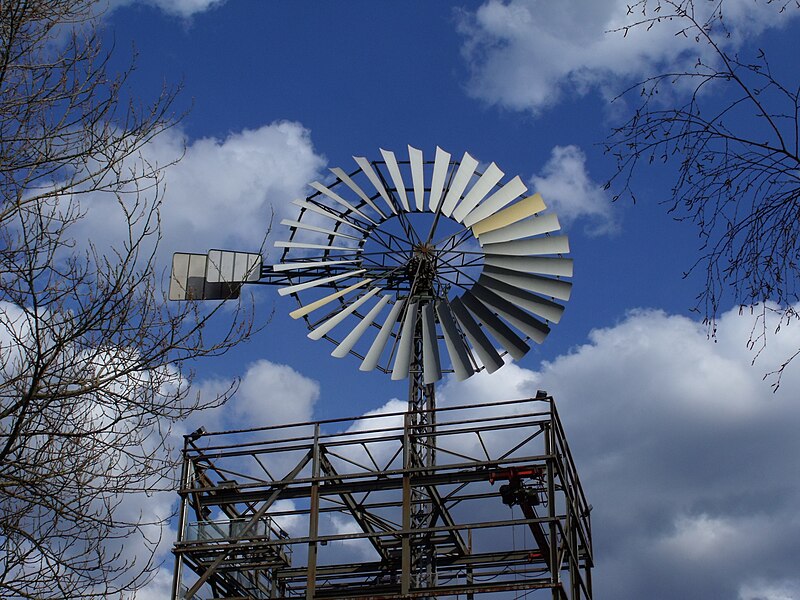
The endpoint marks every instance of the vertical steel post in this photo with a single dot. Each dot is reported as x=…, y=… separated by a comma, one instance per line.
x=470, y=595
x=405, y=558
x=177, y=576
x=422, y=442
x=549, y=448
x=313, y=519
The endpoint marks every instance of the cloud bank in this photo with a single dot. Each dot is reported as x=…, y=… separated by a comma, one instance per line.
x=527, y=55
x=177, y=8
x=567, y=188
x=684, y=452
x=221, y=194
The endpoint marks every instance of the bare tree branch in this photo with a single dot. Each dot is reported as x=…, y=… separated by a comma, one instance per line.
x=734, y=144
x=95, y=365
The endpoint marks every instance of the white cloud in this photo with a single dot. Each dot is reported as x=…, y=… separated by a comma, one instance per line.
x=268, y=394
x=683, y=450
x=273, y=394
x=567, y=188
x=788, y=589
x=159, y=587
x=222, y=192
x=529, y=54
x=178, y=8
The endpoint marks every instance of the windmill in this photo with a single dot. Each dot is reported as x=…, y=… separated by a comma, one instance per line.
x=414, y=268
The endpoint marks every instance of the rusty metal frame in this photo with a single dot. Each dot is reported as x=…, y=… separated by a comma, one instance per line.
x=326, y=509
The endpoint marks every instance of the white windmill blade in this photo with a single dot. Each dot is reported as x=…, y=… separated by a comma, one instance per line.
x=462, y=177
x=511, y=304
x=490, y=178
x=379, y=343
x=314, y=228
x=366, y=167
x=557, y=288
x=462, y=367
x=343, y=349
x=397, y=178
x=509, y=340
x=431, y=366
x=322, y=330
x=345, y=178
x=552, y=244
x=292, y=289
x=497, y=201
x=309, y=308
x=325, y=212
x=417, y=176
x=543, y=265
x=311, y=264
x=526, y=207
x=338, y=199
x=522, y=229
x=543, y=307
x=441, y=162
x=309, y=246
x=527, y=324
x=486, y=351
x=402, y=359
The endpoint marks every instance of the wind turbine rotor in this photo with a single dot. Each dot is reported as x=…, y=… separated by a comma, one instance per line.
x=440, y=259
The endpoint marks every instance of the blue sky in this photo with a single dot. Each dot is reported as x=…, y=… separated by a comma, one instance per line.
x=686, y=454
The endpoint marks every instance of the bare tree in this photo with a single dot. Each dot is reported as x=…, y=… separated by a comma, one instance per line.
x=733, y=141
x=94, y=364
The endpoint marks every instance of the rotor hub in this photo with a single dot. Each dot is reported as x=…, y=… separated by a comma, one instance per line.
x=421, y=270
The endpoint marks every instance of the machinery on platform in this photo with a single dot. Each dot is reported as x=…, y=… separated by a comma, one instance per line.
x=398, y=264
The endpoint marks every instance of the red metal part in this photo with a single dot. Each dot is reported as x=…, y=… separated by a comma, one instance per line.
x=515, y=473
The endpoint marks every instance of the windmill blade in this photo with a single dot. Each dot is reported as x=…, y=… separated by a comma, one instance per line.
x=397, y=178
x=402, y=360
x=325, y=212
x=314, y=228
x=440, y=164
x=417, y=176
x=345, y=178
x=544, y=265
x=374, y=354
x=310, y=265
x=322, y=330
x=308, y=246
x=526, y=207
x=490, y=178
x=545, y=308
x=552, y=244
x=513, y=344
x=338, y=199
x=366, y=167
x=291, y=289
x=462, y=177
x=521, y=229
x=557, y=288
x=309, y=308
x=462, y=367
x=496, y=201
x=530, y=326
x=486, y=352
x=343, y=349
x=432, y=368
